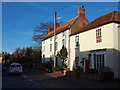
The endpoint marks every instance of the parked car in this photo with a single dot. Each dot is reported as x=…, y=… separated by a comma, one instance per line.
x=15, y=68
x=4, y=68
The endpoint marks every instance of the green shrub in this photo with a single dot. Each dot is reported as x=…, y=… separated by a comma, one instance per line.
x=105, y=69
x=57, y=68
x=78, y=70
x=92, y=71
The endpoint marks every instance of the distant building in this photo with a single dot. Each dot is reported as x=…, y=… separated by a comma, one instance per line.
x=95, y=43
x=0, y=58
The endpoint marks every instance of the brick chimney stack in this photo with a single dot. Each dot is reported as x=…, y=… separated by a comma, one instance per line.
x=57, y=24
x=81, y=12
x=50, y=28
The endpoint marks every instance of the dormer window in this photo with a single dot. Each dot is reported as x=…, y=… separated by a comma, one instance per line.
x=98, y=36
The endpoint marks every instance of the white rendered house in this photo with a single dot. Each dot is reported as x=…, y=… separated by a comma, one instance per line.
x=62, y=37
x=97, y=42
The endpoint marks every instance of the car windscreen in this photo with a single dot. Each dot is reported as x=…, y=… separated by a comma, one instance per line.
x=17, y=65
x=12, y=65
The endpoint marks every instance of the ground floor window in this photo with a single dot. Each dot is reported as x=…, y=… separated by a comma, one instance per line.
x=76, y=61
x=99, y=61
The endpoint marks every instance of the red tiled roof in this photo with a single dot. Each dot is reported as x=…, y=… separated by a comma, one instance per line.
x=107, y=18
x=61, y=28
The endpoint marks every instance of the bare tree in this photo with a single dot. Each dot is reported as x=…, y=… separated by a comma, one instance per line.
x=41, y=31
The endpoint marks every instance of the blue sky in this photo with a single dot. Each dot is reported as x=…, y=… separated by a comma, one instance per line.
x=20, y=18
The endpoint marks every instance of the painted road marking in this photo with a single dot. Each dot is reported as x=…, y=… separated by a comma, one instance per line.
x=31, y=80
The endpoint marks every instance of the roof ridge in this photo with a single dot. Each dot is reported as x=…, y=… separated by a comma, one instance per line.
x=65, y=23
x=61, y=28
x=113, y=16
x=104, y=19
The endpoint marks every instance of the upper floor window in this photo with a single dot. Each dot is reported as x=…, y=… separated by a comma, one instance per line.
x=77, y=41
x=98, y=36
x=51, y=39
x=56, y=36
x=63, y=42
x=56, y=44
x=64, y=33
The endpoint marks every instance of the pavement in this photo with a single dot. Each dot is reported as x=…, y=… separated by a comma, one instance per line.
x=93, y=83
x=73, y=79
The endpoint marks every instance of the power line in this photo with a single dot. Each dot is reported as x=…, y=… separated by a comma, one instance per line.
x=58, y=11
x=62, y=10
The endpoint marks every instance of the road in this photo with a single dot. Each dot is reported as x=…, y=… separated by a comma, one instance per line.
x=17, y=81
x=38, y=79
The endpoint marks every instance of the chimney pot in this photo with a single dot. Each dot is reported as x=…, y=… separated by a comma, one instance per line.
x=82, y=6
x=81, y=12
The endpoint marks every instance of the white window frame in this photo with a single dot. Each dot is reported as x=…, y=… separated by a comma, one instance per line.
x=63, y=33
x=64, y=42
x=97, y=53
x=77, y=40
x=50, y=47
x=101, y=36
x=100, y=53
x=51, y=39
x=56, y=44
x=57, y=36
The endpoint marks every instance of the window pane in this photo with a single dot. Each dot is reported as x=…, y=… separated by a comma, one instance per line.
x=17, y=65
x=98, y=36
x=56, y=44
x=103, y=59
x=100, y=60
x=12, y=65
x=97, y=61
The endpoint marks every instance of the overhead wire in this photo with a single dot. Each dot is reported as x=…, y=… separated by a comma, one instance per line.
x=62, y=10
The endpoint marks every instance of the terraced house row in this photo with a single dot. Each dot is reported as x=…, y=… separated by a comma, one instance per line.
x=97, y=43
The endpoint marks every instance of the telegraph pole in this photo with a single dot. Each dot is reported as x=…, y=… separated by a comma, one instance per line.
x=55, y=39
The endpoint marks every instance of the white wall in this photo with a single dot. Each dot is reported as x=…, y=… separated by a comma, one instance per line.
x=46, y=44
x=110, y=40
x=116, y=57
x=72, y=50
x=88, y=38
